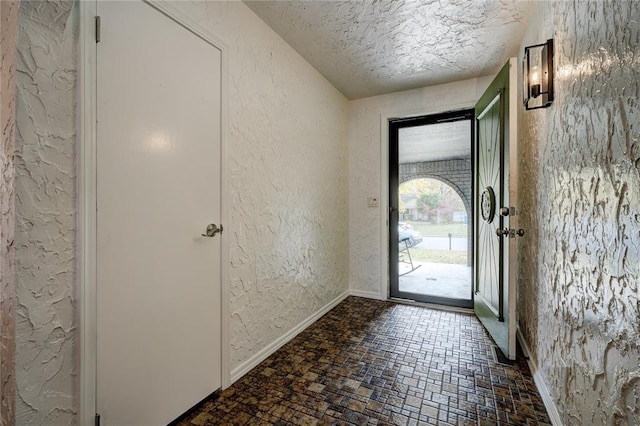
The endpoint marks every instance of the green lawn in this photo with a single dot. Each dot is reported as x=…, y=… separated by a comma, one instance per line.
x=438, y=256
x=429, y=230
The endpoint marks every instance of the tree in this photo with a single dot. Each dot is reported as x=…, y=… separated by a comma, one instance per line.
x=429, y=201
x=435, y=198
x=448, y=202
x=415, y=186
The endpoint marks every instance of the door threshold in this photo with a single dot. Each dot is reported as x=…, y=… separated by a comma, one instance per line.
x=433, y=306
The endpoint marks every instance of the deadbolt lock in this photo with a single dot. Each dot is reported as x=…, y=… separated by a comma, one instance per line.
x=507, y=211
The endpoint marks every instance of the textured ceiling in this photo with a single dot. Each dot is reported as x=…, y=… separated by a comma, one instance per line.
x=373, y=47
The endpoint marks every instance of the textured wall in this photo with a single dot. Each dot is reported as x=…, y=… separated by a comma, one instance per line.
x=288, y=158
x=580, y=191
x=365, y=178
x=289, y=181
x=46, y=352
x=8, y=24
x=288, y=161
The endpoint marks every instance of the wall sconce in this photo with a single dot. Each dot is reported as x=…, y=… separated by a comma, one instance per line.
x=537, y=67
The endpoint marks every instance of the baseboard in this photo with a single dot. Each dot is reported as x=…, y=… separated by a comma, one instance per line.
x=549, y=404
x=366, y=294
x=252, y=362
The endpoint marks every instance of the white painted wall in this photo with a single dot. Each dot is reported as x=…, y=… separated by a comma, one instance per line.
x=46, y=345
x=8, y=33
x=368, y=175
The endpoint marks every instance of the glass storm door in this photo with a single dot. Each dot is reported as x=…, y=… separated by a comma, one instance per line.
x=430, y=200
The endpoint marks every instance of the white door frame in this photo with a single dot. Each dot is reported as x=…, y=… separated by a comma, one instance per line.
x=87, y=220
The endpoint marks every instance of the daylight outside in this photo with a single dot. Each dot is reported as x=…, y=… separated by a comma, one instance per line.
x=433, y=234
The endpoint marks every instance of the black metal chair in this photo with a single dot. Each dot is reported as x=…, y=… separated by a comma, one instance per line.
x=403, y=250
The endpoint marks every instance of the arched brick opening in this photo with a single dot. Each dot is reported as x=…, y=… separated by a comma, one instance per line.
x=454, y=173
x=463, y=197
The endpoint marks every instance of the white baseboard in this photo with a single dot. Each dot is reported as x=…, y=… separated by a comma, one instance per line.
x=549, y=404
x=366, y=294
x=252, y=362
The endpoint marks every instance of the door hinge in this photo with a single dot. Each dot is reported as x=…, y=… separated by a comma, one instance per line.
x=97, y=420
x=97, y=29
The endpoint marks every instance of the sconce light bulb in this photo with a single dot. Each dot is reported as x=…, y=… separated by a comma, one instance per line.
x=535, y=76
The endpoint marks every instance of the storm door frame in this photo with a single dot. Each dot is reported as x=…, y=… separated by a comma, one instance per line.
x=394, y=168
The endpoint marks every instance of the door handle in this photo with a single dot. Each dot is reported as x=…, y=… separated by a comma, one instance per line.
x=511, y=233
x=212, y=230
x=500, y=232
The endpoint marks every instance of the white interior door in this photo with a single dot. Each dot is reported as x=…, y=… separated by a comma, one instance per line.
x=495, y=191
x=158, y=165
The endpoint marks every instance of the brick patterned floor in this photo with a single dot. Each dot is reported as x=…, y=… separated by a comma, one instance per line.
x=381, y=363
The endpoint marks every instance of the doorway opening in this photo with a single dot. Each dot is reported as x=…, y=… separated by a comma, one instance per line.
x=431, y=226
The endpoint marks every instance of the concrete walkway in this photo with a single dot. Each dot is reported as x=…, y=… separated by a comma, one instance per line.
x=437, y=279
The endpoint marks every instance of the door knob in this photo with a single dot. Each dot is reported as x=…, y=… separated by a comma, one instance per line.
x=520, y=232
x=212, y=230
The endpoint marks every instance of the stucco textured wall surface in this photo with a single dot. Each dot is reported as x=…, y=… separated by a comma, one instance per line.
x=46, y=353
x=579, y=264
x=366, y=257
x=8, y=23
x=289, y=180
x=288, y=162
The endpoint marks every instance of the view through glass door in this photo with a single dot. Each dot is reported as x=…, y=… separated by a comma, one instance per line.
x=431, y=193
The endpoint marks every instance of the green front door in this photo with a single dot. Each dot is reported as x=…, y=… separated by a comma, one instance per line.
x=494, y=297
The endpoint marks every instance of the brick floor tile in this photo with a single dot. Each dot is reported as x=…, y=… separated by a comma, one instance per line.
x=370, y=362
